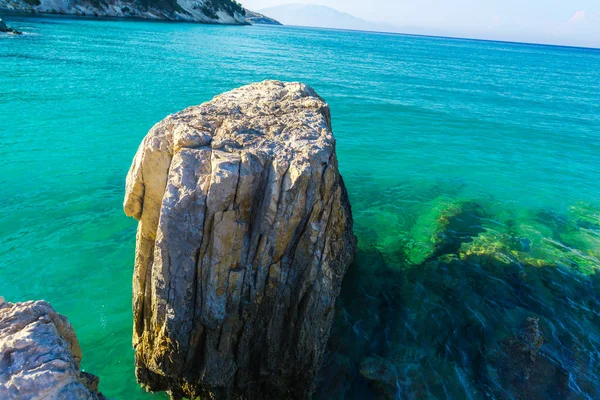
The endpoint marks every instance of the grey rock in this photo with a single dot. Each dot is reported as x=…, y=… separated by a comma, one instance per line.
x=40, y=355
x=244, y=236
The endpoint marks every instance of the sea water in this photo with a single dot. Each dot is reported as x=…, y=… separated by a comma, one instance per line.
x=473, y=170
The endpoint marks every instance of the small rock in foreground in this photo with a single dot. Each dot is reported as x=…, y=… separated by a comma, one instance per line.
x=40, y=355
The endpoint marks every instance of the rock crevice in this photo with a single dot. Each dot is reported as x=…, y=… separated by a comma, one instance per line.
x=244, y=236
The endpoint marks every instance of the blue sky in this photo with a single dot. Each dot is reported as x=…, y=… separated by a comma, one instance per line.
x=571, y=22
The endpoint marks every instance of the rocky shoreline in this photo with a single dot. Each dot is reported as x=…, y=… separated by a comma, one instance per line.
x=223, y=12
x=203, y=11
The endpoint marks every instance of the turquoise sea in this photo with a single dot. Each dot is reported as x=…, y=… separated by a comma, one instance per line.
x=473, y=169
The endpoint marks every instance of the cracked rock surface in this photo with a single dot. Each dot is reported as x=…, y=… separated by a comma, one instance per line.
x=244, y=236
x=40, y=355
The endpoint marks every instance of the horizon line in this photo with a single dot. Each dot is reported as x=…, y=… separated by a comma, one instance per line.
x=424, y=35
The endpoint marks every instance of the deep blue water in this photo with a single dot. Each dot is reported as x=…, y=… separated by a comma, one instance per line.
x=473, y=169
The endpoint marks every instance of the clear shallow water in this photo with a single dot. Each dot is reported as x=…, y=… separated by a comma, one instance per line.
x=472, y=168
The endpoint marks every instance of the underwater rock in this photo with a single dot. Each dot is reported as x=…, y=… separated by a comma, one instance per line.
x=244, y=237
x=395, y=377
x=353, y=338
x=40, y=355
x=543, y=238
x=456, y=325
x=586, y=215
x=443, y=228
x=525, y=373
x=383, y=375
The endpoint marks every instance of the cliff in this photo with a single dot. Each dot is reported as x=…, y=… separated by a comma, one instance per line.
x=244, y=236
x=206, y=11
x=40, y=355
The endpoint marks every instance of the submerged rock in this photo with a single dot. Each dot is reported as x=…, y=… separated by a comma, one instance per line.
x=504, y=305
x=526, y=373
x=40, y=355
x=543, y=239
x=245, y=235
x=443, y=229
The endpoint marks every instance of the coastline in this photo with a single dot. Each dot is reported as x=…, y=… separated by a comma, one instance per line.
x=190, y=11
x=23, y=14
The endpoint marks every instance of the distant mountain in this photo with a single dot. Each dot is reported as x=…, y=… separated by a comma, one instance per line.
x=208, y=11
x=257, y=18
x=322, y=16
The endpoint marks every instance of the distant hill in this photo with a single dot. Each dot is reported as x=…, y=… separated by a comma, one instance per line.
x=321, y=16
x=257, y=18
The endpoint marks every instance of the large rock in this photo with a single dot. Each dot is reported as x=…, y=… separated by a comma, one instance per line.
x=244, y=237
x=40, y=355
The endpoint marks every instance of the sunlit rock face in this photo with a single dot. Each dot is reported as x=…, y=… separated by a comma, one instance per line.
x=244, y=236
x=40, y=355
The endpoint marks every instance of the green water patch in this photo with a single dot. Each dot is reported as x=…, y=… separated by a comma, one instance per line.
x=469, y=299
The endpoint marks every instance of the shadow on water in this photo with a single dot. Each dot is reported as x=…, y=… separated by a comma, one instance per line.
x=469, y=305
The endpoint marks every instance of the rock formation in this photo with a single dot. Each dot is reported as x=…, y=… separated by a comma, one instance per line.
x=206, y=11
x=6, y=29
x=40, y=355
x=244, y=236
x=525, y=372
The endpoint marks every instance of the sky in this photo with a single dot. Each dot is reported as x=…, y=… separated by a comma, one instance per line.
x=568, y=22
